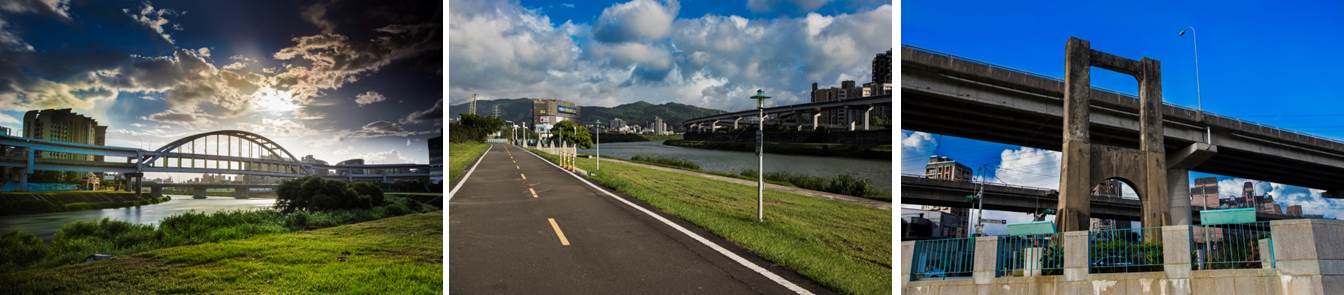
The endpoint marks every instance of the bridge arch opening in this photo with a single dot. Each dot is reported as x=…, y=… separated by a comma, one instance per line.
x=1113, y=188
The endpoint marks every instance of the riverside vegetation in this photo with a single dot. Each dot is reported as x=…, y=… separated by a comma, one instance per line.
x=302, y=204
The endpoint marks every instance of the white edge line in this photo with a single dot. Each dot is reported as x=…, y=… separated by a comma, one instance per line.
x=743, y=261
x=462, y=181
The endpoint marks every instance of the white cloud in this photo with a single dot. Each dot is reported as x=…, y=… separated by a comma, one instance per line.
x=384, y=157
x=369, y=97
x=60, y=8
x=502, y=50
x=155, y=19
x=775, y=5
x=1029, y=167
x=915, y=148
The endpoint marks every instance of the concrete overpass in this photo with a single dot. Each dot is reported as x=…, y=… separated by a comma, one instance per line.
x=956, y=96
x=803, y=116
x=917, y=190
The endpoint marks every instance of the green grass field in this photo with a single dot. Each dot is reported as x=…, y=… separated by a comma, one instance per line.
x=460, y=157
x=843, y=246
x=398, y=255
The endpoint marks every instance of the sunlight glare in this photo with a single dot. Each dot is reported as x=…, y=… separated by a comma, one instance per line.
x=272, y=100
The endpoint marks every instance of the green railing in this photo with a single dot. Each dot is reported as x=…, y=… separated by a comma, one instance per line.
x=942, y=259
x=1124, y=250
x=1024, y=255
x=1230, y=246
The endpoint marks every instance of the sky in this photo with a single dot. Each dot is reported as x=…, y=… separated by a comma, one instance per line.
x=1259, y=61
x=711, y=54
x=336, y=79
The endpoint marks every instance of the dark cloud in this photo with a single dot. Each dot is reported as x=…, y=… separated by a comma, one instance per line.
x=433, y=114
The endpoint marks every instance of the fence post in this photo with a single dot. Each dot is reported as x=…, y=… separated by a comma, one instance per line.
x=1075, y=256
x=907, y=254
x=1176, y=251
x=986, y=258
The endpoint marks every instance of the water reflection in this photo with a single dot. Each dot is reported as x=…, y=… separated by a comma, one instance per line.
x=46, y=224
x=876, y=171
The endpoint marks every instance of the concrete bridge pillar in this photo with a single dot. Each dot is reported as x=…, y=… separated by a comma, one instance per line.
x=735, y=122
x=815, y=117
x=156, y=191
x=867, y=117
x=851, y=125
x=198, y=193
x=1085, y=165
x=714, y=127
x=240, y=192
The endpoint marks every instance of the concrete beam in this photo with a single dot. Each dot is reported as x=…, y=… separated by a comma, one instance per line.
x=1191, y=156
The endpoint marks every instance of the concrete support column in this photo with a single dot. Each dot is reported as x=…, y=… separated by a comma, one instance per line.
x=815, y=117
x=1075, y=256
x=1075, y=187
x=137, y=185
x=240, y=193
x=986, y=258
x=907, y=253
x=867, y=118
x=735, y=122
x=198, y=193
x=156, y=191
x=714, y=127
x=852, y=124
x=1156, y=204
x=1176, y=251
x=1178, y=192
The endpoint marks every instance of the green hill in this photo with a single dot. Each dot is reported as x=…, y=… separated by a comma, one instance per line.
x=640, y=112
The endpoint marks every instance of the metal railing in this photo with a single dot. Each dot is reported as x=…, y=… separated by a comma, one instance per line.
x=1028, y=255
x=1231, y=246
x=1124, y=250
x=942, y=259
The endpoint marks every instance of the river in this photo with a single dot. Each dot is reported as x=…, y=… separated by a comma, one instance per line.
x=876, y=171
x=46, y=224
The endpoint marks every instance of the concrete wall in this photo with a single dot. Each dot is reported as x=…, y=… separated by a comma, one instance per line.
x=1308, y=259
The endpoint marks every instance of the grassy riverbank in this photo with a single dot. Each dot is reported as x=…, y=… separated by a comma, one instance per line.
x=399, y=255
x=460, y=157
x=793, y=148
x=843, y=246
x=839, y=184
x=16, y=203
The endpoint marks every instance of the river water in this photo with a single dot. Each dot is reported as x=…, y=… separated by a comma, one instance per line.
x=46, y=224
x=876, y=171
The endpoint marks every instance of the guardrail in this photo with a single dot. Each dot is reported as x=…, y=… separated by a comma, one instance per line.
x=942, y=259
x=1124, y=250
x=1232, y=246
x=1030, y=255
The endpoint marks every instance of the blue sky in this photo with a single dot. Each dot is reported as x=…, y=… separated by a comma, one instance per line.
x=711, y=54
x=334, y=79
x=1259, y=61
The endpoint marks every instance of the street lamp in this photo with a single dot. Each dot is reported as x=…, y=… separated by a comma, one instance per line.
x=1199, y=100
x=760, y=154
x=599, y=147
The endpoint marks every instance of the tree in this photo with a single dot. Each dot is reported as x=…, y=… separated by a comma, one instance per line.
x=473, y=128
x=316, y=194
x=566, y=131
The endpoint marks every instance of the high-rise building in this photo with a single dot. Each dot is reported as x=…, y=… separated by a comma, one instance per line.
x=944, y=168
x=65, y=126
x=617, y=124
x=1248, y=194
x=1204, y=195
x=882, y=68
x=1110, y=188
x=547, y=112
x=1294, y=210
x=436, y=157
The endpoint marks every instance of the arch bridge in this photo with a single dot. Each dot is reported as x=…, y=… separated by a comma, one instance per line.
x=215, y=152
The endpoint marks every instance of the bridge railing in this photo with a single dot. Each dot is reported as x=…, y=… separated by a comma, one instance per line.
x=943, y=259
x=1030, y=255
x=1230, y=246
x=1124, y=250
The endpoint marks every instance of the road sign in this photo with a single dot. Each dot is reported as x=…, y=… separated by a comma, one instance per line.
x=994, y=221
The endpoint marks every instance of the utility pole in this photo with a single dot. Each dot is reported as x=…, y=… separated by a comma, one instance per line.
x=472, y=108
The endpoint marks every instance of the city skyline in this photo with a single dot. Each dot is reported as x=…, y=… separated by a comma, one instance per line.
x=707, y=55
x=335, y=80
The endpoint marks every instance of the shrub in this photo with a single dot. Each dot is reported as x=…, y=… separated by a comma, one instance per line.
x=368, y=192
x=317, y=194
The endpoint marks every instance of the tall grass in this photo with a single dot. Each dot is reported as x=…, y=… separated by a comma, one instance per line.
x=77, y=240
x=664, y=161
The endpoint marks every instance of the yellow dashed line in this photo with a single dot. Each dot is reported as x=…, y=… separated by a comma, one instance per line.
x=534, y=192
x=558, y=232
x=523, y=175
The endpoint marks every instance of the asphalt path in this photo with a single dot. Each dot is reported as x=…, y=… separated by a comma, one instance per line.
x=519, y=225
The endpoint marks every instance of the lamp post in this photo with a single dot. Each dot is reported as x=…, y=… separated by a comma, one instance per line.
x=760, y=154
x=599, y=147
x=1199, y=100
